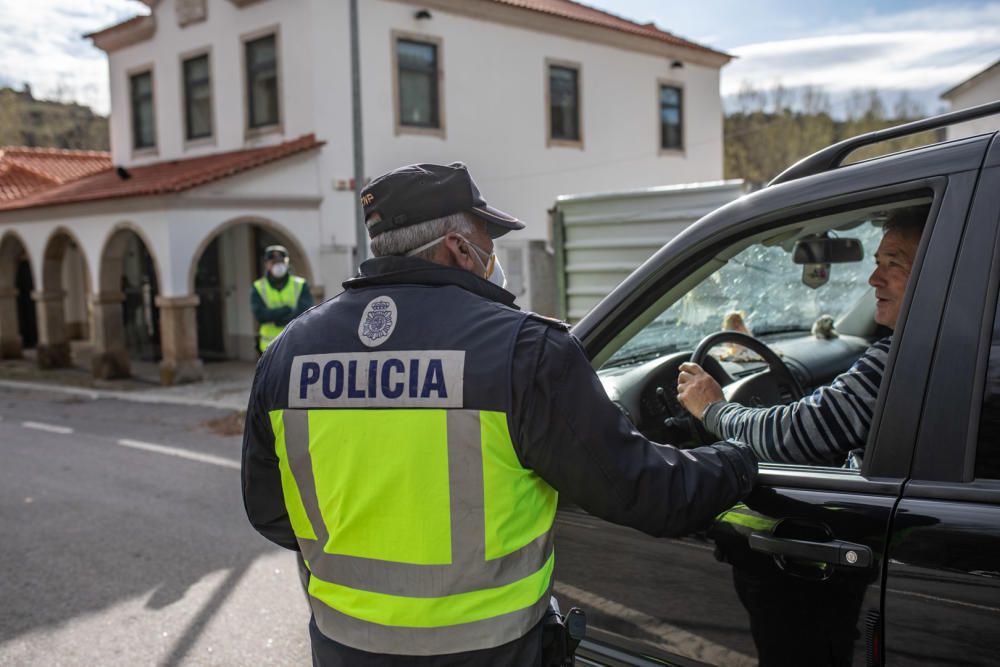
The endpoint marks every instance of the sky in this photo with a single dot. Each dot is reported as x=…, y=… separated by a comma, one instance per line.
x=921, y=46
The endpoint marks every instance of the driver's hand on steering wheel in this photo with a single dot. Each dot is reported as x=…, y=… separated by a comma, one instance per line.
x=696, y=389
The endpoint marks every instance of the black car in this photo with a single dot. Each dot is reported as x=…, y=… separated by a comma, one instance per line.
x=895, y=563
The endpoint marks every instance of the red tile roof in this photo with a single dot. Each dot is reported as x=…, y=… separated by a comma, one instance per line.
x=24, y=170
x=586, y=14
x=161, y=177
x=563, y=8
x=135, y=20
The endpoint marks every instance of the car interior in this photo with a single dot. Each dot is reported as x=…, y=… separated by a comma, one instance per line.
x=771, y=316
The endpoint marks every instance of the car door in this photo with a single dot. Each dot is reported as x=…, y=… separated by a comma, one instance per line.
x=795, y=575
x=942, y=591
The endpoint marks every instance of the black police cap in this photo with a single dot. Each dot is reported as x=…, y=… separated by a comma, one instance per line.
x=275, y=252
x=420, y=192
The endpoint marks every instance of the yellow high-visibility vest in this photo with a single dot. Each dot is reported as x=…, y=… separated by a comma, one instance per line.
x=286, y=296
x=423, y=532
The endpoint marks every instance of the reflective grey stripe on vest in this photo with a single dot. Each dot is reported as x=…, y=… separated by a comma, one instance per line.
x=375, y=638
x=468, y=571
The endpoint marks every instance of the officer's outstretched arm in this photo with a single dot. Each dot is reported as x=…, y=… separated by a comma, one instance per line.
x=574, y=437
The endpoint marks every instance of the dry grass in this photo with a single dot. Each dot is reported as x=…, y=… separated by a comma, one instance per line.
x=231, y=424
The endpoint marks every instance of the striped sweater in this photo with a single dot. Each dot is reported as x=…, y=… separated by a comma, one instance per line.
x=819, y=429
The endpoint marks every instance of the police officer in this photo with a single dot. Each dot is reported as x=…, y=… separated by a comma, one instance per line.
x=278, y=297
x=410, y=436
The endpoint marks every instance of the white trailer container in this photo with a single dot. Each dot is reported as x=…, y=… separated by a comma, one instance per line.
x=599, y=239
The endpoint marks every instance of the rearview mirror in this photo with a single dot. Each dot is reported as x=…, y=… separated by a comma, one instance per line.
x=827, y=250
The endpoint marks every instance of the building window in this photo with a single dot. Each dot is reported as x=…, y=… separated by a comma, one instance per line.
x=419, y=103
x=197, y=98
x=143, y=118
x=564, y=103
x=671, y=118
x=262, y=82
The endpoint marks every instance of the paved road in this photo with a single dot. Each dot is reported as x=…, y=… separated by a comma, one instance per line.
x=123, y=541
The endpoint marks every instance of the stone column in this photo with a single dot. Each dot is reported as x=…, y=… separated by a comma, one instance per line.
x=10, y=335
x=179, y=339
x=111, y=358
x=53, y=344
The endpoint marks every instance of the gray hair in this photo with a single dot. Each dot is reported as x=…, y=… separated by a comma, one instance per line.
x=403, y=240
x=907, y=221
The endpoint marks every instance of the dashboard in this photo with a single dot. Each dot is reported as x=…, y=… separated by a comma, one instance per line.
x=646, y=391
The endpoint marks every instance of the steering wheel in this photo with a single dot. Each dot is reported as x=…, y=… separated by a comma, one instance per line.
x=774, y=386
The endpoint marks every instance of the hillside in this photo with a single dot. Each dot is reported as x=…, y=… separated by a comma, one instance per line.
x=772, y=130
x=26, y=121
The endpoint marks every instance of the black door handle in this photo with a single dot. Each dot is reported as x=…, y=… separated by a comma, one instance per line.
x=834, y=552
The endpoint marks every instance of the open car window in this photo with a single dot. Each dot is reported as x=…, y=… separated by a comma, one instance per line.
x=802, y=290
x=763, y=285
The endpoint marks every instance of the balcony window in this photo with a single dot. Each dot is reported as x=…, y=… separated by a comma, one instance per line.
x=671, y=118
x=564, y=103
x=143, y=117
x=417, y=76
x=262, y=82
x=197, y=98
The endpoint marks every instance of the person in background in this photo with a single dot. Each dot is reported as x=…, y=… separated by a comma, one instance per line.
x=278, y=297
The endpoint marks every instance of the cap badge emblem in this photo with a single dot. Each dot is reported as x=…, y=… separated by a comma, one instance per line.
x=377, y=321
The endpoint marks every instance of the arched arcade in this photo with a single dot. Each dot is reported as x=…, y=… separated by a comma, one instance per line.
x=61, y=304
x=18, y=326
x=222, y=271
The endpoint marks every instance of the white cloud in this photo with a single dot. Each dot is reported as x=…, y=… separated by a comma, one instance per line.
x=879, y=60
x=41, y=42
x=926, y=50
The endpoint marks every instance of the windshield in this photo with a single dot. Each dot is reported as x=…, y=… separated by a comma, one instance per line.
x=766, y=288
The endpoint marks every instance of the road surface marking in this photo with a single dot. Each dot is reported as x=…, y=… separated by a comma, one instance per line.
x=691, y=545
x=51, y=428
x=668, y=637
x=181, y=453
x=939, y=599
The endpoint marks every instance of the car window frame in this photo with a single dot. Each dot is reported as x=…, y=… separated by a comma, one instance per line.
x=972, y=291
x=778, y=202
x=878, y=474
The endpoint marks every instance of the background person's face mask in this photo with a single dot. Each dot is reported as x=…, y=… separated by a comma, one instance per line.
x=279, y=270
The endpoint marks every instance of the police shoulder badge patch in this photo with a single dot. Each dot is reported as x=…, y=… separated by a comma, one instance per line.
x=377, y=321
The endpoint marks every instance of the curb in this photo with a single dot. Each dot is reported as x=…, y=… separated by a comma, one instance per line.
x=138, y=396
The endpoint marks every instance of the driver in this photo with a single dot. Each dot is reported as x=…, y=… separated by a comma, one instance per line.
x=822, y=428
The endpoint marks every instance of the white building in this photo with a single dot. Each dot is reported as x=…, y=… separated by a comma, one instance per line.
x=231, y=128
x=978, y=89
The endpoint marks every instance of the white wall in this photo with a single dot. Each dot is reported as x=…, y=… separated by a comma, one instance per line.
x=494, y=87
x=220, y=33
x=983, y=90
x=494, y=93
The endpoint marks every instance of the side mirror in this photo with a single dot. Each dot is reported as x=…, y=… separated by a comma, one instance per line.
x=827, y=250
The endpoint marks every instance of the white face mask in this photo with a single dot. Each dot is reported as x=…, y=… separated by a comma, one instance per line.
x=492, y=271
x=279, y=270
